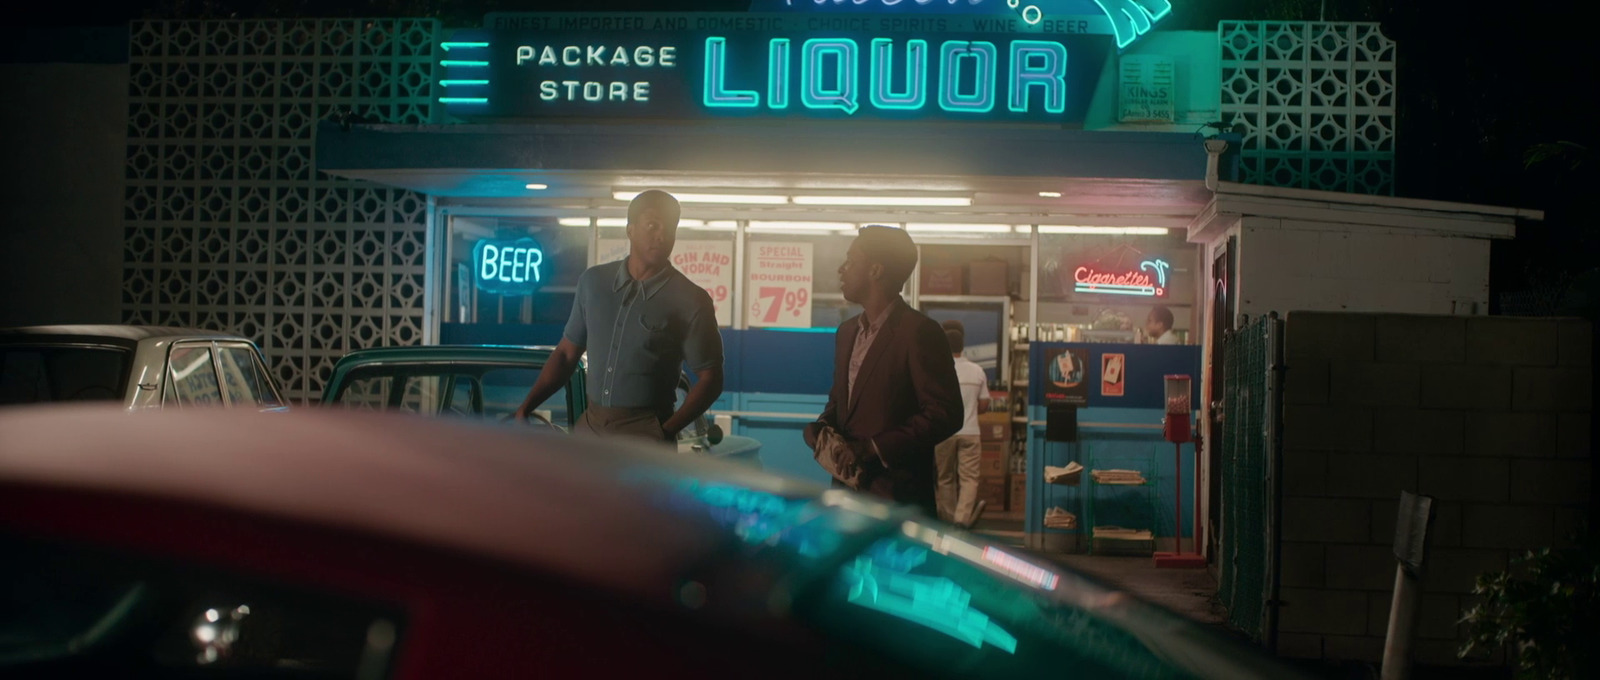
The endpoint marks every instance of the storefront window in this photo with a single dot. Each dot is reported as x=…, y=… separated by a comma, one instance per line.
x=792, y=279
x=1102, y=287
x=510, y=270
x=704, y=253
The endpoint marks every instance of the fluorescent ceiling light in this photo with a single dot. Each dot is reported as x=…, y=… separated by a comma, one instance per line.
x=802, y=226
x=1069, y=229
x=708, y=225
x=538, y=187
x=1049, y=194
x=721, y=225
x=959, y=201
x=753, y=199
x=966, y=228
x=584, y=222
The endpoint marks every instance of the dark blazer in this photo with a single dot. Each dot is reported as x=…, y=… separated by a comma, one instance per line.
x=907, y=400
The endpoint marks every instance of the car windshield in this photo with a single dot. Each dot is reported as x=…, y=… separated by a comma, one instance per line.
x=34, y=374
x=943, y=601
x=467, y=390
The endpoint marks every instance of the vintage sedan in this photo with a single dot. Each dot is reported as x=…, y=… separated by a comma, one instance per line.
x=139, y=367
x=489, y=381
x=340, y=544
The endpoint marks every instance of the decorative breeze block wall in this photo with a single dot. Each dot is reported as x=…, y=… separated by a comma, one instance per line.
x=1314, y=101
x=228, y=225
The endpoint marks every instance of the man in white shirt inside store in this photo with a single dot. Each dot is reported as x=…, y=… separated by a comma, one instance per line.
x=957, y=458
x=1158, y=327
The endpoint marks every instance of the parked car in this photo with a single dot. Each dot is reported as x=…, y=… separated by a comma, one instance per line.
x=140, y=367
x=338, y=544
x=490, y=381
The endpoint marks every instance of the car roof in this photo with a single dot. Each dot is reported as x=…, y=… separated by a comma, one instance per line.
x=117, y=334
x=434, y=353
x=547, y=502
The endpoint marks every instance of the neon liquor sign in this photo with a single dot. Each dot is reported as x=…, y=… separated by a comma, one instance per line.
x=970, y=67
x=830, y=76
x=1089, y=279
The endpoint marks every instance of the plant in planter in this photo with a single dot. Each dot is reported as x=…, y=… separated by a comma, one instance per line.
x=1547, y=614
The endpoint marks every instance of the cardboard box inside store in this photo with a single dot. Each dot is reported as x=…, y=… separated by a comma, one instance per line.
x=941, y=279
x=988, y=277
x=994, y=427
x=992, y=491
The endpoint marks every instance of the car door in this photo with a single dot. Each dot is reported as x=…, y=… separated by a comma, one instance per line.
x=245, y=380
x=191, y=377
x=203, y=373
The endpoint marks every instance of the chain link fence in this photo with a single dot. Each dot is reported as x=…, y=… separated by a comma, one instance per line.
x=1251, y=412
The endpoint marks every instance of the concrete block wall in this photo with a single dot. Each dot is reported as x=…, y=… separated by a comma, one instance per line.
x=1489, y=415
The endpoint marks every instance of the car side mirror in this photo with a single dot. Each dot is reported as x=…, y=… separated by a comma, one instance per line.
x=714, y=434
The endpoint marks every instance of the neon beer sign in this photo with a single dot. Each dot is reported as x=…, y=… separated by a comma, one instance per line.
x=506, y=267
x=1149, y=280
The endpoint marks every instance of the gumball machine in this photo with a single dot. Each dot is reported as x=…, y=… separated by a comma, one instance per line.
x=1177, y=427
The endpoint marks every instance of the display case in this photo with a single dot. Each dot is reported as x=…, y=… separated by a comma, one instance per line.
x=1099, y=471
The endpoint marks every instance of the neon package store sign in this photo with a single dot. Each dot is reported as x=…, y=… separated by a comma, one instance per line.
x=817, y=63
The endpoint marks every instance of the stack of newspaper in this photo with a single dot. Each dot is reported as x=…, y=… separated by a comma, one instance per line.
x=1117, y=477
x=1056, y=518
x=1120, y=533
x=1064, y=475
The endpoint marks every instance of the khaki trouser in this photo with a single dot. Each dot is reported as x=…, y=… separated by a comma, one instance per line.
x=639, y=423
x=956, y=459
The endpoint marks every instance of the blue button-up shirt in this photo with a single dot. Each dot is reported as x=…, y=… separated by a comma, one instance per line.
x=639, y=333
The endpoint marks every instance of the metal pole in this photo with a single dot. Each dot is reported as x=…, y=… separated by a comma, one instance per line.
x=1402, y=621
x=1034, y=504
x=1195, y=535
x=1177, y=505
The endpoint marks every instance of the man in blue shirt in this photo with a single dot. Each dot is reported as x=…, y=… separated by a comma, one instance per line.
x=643, y=319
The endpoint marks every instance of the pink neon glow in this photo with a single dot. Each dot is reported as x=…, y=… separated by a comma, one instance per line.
x=1087, y=275
x=1022, y=571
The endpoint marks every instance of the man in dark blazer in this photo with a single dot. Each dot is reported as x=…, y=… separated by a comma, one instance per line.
x=895, y=395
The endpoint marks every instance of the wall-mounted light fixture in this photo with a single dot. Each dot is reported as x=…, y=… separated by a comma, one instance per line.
x=914, y=201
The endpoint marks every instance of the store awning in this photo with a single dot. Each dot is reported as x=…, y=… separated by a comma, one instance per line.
x=498, y=160
x=1355, y=211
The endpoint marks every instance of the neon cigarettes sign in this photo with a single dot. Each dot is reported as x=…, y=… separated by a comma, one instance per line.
x=1149, y=280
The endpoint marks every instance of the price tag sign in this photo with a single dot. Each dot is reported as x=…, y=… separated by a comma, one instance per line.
x=709, y=264
x=778, y=292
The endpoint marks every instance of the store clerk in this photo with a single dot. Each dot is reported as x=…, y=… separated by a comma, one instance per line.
x=645, y=320
x=1158, y=326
